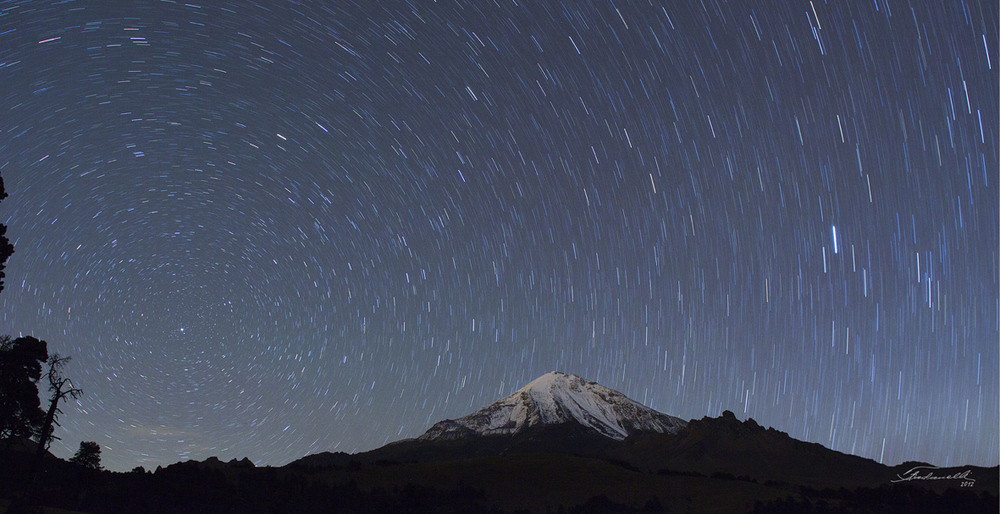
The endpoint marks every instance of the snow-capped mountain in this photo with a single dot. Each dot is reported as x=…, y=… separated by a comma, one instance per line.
x=553, y=399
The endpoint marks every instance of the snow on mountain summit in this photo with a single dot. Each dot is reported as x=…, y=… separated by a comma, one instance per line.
x=556, y=398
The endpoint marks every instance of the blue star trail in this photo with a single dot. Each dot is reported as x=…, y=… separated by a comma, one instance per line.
x=269, y=230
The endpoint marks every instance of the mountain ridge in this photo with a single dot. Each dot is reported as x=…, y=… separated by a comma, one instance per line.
x=559, y=413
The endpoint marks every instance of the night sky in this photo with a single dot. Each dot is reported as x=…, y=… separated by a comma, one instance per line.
x=274, y=230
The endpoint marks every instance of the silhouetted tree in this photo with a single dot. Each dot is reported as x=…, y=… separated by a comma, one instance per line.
x=59, y=387
x=6, y=249
x=88, y=456
x=20, y=370
x=20, y=367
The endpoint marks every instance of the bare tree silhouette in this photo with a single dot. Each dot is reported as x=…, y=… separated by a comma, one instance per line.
x=60, y=387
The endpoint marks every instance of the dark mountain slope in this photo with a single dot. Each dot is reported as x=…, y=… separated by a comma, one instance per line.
x=725, y=445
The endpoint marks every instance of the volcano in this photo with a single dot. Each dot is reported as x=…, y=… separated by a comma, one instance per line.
x=555, y=399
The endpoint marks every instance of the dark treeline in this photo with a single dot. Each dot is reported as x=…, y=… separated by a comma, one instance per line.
x=216, y=487
x=195, y=489
x=894, y=499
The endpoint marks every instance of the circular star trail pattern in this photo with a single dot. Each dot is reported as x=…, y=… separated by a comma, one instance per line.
x=269, y=230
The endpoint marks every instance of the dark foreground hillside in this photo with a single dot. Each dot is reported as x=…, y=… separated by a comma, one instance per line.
x=525, y=482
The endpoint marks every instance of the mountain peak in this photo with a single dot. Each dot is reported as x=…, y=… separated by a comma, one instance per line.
x=556, y=398
x=548, y=377
x=550, y=380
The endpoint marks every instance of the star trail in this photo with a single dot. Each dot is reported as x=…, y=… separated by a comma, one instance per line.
x=269, y=230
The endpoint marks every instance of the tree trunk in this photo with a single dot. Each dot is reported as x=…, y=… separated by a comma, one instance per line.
x=26, y=504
